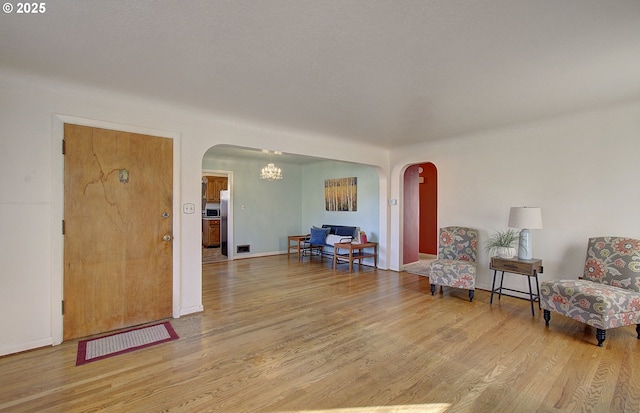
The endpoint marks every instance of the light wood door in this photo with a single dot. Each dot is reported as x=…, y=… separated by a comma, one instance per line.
x=210, y=233
x=219, y=184
x=215, y=184
x=214, y=233
x=211, y=189
x=117, y=209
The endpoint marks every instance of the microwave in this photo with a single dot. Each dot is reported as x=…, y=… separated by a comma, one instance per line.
x=209, y=212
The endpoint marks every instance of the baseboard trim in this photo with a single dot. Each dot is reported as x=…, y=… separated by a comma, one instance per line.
x=191, y=310
x=29, y=345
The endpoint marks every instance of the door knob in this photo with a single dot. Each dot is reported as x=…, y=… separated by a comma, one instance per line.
x=166, y=238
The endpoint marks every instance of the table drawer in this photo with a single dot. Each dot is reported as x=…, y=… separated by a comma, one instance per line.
x=526, y=267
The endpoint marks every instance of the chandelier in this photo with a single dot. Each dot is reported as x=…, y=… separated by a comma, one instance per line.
x=271, y=172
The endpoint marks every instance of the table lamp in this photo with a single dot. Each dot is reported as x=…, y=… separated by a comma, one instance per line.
x=525, y=219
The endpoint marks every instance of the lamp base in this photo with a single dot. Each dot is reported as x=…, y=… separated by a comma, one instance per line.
x=524, y=245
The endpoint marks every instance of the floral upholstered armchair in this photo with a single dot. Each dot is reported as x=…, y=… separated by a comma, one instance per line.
x=456, y=262
x=608, y=295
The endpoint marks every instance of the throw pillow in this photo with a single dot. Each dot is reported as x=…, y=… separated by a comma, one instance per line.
x=345, y=231
x=318, y=236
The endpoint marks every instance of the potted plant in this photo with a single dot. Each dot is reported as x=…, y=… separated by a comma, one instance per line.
x=503, y=243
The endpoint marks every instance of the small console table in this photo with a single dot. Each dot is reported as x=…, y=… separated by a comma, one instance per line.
x=529, y=268
x=299, y=240
x=356, y=253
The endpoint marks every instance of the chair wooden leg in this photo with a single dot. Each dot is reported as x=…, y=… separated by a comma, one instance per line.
x=471, y=294
x=547, y=316
x=638, y=330
x=601, y=335
x=433, y=289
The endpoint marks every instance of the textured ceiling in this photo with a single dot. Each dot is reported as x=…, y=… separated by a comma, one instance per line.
x=384, y=72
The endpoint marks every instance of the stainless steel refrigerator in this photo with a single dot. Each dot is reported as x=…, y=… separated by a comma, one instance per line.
x=224, y=220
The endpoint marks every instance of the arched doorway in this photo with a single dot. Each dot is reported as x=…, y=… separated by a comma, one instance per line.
x=420, y=212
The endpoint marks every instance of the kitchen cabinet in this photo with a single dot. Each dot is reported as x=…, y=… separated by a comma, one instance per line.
x=214, y=184
x=210, y=232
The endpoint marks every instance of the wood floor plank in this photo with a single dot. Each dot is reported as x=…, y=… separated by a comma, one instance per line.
x=283, y=335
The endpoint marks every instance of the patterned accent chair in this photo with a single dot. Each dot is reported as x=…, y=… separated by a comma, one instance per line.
x=456, y=262
x=608, y=295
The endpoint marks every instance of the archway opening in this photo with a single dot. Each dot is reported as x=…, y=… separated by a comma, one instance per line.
x=420, y=212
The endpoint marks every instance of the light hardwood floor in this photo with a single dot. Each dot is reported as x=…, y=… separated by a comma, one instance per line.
x=280, y=335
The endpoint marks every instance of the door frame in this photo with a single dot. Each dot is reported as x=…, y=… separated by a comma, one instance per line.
x=401, y=218
x=229, y=176
x=57, y=207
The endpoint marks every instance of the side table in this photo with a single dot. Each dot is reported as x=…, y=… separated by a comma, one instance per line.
x=529, y=268
x=352, y=256
x=299, y=239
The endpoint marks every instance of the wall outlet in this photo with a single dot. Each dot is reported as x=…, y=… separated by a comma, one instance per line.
x=189, y=208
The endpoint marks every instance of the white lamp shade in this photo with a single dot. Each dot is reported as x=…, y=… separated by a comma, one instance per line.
x=524, y=217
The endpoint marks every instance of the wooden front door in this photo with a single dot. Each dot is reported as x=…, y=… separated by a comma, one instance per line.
x=118, y=230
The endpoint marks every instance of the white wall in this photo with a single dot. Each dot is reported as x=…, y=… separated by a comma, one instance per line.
x=30, y=185
x=582, y=170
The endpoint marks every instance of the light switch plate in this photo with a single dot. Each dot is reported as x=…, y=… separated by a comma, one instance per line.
x=189, y=208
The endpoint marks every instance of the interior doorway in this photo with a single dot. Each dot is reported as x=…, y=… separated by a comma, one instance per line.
x=420, y=212
x=216, y=216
